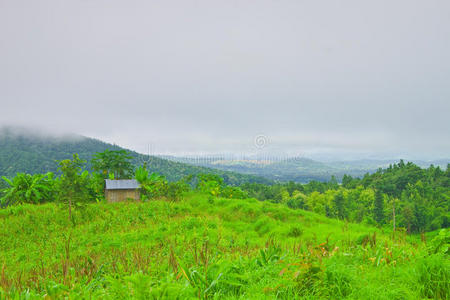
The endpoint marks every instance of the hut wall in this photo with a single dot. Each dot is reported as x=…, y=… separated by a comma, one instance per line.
x=121, y=195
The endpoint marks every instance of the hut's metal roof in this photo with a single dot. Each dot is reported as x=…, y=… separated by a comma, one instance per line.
x=122, y=184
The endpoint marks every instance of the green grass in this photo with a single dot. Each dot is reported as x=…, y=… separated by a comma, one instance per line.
x=203, y=247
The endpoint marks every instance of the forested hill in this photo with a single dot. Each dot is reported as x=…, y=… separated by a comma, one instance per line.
x=22, y=151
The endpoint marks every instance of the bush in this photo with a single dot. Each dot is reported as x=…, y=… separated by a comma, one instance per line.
x=175, y=190
x=232, y=192
x=295, y=231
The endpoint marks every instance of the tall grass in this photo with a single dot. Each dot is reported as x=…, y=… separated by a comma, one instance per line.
x=198, y=248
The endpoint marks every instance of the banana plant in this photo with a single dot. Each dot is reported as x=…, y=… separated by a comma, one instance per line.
x=141, y=175
x=26, y=188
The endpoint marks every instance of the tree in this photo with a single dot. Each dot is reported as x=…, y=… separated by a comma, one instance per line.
x=113, y=162
x=378, y=207
x=408, y=216
x=339, y=205
x=393, y=215
x=153, y=185
x=347, y=181
x=74, y=182
x=333, y=183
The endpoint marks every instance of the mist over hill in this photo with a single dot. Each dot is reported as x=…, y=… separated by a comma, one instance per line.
x=31, y=151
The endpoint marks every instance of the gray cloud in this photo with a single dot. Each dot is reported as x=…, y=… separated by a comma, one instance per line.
x=368, y=76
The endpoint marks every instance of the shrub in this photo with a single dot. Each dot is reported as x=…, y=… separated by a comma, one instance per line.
x=232, y=192
x=295, y=231
x=175, y=190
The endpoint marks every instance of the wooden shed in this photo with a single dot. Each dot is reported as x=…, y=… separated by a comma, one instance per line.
x=121, y=190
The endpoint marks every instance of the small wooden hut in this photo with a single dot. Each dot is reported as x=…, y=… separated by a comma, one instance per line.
x=121, y=190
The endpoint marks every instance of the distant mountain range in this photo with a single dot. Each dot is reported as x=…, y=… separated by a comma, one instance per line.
x=299, y=169
x=23, y=150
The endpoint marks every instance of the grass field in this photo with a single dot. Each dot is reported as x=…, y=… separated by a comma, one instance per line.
x=209, y=248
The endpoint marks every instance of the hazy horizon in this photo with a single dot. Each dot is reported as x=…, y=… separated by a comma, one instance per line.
x=256, y=152
x=346, y=80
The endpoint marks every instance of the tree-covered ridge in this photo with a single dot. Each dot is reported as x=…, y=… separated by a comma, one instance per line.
x=23, y=152
x=402, y=195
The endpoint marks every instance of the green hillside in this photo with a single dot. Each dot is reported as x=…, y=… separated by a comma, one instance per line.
x=23, y=151
x=210, y=248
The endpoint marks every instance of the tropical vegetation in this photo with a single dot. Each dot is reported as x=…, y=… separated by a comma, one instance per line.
x=403, y=195
x=384, y=236
x=208, y=247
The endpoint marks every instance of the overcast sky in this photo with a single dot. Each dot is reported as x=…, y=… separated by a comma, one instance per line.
x=210, y=76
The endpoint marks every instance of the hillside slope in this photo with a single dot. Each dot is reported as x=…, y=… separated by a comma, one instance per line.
x=205, y=247
x=22, y=151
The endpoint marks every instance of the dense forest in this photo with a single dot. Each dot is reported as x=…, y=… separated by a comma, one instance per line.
x=402, y=195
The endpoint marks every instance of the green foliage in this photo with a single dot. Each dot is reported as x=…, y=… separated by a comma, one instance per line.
x=215, y=242
x=433, y=276
x=141, y=175
x=191, y=249
x=418, y=198
x=233, y=192
x=210, y=184
x=74, y=183
x=176, y=190
x=26, y=188
x=378, y=207
x=95, y=185
x=440, y=244
x=115, y=162
x=339, y=205
x=154, y=186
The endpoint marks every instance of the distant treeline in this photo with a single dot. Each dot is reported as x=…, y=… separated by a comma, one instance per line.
x=403, y=195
